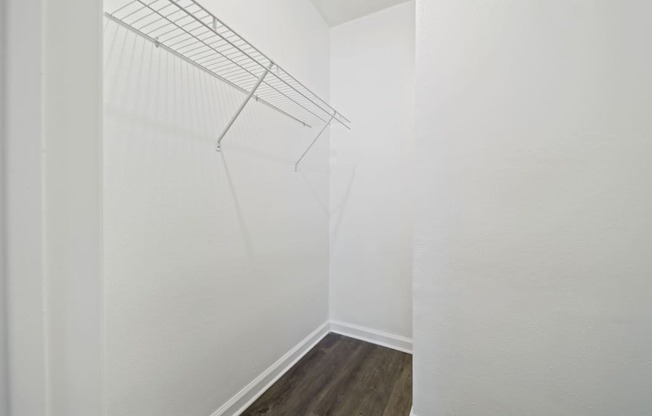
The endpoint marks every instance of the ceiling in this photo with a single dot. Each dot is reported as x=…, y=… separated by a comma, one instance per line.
x=339, y=11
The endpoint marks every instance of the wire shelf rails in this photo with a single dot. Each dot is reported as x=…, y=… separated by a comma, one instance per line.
x=190, y=32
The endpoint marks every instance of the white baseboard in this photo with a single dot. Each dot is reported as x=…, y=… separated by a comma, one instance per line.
x=245, y=397
x=396, y=342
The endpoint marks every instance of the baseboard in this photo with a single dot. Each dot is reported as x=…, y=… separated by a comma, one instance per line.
x=396, y=342
x=245, y=397
x=412, y=412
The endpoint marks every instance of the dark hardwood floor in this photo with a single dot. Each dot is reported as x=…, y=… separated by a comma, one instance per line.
x=341, y=376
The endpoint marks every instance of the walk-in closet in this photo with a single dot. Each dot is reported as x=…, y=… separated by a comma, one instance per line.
x=325, y=208
x=256, y=228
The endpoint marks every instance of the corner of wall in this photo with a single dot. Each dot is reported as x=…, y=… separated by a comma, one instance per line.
x=252, y=391
x=384, y=339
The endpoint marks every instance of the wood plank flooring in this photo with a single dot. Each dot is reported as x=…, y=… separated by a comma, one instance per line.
x=341, y=376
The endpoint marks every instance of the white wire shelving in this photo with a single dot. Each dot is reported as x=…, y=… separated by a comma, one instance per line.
x=187, y=30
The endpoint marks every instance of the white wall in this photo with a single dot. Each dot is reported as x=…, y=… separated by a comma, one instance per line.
x=72, y=191
x=533, y=234
x=216, y=263
x=24, y=256
x=52, y=143
x=372, y=82
x=4, y=386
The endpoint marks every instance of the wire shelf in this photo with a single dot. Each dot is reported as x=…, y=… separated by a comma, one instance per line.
x=190, y=32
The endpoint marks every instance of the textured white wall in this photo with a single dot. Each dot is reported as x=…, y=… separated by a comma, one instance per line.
x=216, y=263
x=372, y=80
x=72, y=190
x=24, y=269
x=533, y=233
x=4, y=386
x=337, y=12
x=53, y=166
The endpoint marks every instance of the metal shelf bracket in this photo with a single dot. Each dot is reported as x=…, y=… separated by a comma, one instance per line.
x=243, y=105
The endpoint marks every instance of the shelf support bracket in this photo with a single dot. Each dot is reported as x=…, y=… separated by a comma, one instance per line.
x=243, y=105
x=328, y=123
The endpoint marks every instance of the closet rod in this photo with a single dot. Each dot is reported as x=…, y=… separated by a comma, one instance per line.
x=189, y=31
x=204, y=43
x=198, y=66
x=315, y=96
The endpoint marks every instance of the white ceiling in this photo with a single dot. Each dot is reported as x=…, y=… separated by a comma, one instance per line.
x=339, y=11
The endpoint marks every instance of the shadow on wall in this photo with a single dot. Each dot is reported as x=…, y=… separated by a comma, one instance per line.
x=192, y=235
x=313, y=191
x=166, y=106
x=339, y=207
